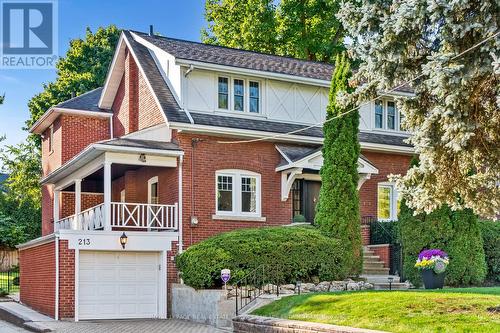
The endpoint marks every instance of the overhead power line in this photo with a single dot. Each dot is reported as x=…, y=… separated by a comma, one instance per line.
x=320, y=124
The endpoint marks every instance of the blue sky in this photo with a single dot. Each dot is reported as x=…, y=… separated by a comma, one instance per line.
x=180, y=19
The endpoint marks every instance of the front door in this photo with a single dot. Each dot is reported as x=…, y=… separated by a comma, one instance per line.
x=311, y=198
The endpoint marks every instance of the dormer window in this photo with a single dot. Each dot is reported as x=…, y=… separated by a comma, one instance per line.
x=238, y=94
x=223, y=93
x=387, y=116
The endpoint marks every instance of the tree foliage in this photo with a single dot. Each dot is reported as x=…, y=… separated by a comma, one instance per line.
x=454, y=115
x=456, y=232
x=337, y=213
x=83, y=68
x=20, y=208
x=306, y=29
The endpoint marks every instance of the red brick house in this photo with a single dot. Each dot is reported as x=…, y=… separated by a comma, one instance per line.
x=163, y=153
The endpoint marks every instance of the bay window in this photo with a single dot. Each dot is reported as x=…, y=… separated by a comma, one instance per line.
x=237, y=193
x=388, y=202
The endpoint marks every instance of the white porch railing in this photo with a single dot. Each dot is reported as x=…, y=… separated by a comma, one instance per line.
x=123, y=215
x=143, y=216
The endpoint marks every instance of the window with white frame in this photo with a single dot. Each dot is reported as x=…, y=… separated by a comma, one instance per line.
x=238, y=94
x=237, y=193
x=388, y=202
x=387, y=116
x=51, y=138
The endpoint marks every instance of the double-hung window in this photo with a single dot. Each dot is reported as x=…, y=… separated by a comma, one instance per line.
x=254, y=96
x=237, y=193
x=388, y=202
x=223, y=93
x=391, y=115
x=51, y=138
x=379, y=114
x=238, y=94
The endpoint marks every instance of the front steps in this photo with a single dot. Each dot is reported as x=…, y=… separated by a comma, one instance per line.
x=375, y=273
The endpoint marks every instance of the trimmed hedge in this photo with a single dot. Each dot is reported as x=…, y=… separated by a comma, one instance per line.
x=455, y=232
x=491, y=239
x=288, y=253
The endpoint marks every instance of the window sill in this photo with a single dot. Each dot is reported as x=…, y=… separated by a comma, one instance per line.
x=239, y=218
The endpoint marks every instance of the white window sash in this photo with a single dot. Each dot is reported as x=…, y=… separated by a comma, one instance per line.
x=237, y=176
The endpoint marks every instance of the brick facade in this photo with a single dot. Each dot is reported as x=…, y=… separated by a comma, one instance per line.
x=37, y=277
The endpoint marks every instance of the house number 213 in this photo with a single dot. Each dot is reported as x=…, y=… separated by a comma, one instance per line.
x=83, y=241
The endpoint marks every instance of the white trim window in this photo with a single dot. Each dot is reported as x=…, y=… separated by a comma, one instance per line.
x=388, y=202
x=153, y=197
x=238, y=193
x=387, y=116
x=238, y=94
x=51, y=139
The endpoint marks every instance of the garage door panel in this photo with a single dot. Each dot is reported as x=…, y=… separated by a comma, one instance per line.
x=118, y=285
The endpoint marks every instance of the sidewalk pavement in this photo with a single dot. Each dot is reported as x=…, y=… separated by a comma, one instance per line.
x=25, y=317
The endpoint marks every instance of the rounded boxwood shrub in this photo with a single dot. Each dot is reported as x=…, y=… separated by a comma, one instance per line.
x=490, y=231
x=286, y=254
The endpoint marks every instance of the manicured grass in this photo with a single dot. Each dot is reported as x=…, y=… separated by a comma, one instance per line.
x=4, y=277
x=448, y=310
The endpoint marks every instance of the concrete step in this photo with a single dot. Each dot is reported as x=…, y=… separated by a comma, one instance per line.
x=372, y=261
x=380, y=278
x=378, y=264
x=368, y=252
x=376, y=271
x=392, y=286
x=377, y=258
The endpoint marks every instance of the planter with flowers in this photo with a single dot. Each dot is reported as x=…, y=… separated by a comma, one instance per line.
x=432, y=264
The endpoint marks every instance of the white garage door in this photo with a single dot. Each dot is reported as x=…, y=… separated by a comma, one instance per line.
x=117, y=285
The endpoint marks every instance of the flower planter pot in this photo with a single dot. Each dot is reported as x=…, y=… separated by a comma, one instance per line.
x=433, y=280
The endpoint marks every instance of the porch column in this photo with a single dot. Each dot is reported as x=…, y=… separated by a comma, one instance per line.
x=78, y=203
x=107, y=196
x=56, y=205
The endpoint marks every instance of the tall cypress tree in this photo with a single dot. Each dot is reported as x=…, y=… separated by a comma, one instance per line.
x=338, y=207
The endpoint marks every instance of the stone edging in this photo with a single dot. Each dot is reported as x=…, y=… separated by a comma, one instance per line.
x=258, y=324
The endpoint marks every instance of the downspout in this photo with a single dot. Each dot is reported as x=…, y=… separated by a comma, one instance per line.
x=56, y=314
x=179, y=214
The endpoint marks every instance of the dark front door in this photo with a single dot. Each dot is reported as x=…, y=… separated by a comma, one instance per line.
x=311, y=198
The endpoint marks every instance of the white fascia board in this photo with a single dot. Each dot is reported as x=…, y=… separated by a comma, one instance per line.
x=283, y=154
x=134, y=150
x=37, y=242
x=253, y=72
x=118, y=50
x=235, y=132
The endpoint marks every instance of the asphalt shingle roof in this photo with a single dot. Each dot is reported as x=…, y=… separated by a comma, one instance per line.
x=226, y=56
x=144, y=144
x=87, y=101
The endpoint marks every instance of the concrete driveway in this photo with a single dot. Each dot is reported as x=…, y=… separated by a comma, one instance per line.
x=6, y=327
x=131, y=326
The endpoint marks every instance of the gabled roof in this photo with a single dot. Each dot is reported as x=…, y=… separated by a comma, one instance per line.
x=188, y=50
x=87, y=101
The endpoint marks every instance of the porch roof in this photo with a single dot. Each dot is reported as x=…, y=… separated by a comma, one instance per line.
x=310, y=157
x=94, y=155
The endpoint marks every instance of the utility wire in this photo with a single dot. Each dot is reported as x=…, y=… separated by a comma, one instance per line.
x=320, y=124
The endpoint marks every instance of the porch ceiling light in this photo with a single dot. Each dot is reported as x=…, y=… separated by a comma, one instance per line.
x=142, y=158
x=123, y=240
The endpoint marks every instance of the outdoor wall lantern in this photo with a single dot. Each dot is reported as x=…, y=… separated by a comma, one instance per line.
x=123, y=240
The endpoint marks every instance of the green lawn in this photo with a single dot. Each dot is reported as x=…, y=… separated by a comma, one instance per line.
x=449, y=310
x=3, y=282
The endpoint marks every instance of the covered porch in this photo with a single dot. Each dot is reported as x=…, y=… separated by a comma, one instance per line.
x=118, y=185
x=300, y=178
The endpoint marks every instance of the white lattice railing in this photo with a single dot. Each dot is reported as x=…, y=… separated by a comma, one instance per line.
x=143, y=216
x=123, y=215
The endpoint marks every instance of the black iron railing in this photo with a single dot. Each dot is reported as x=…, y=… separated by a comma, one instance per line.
x=9, y=281
x=253, y=285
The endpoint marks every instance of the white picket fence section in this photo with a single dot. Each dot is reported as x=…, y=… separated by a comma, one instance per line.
x=137, y=216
